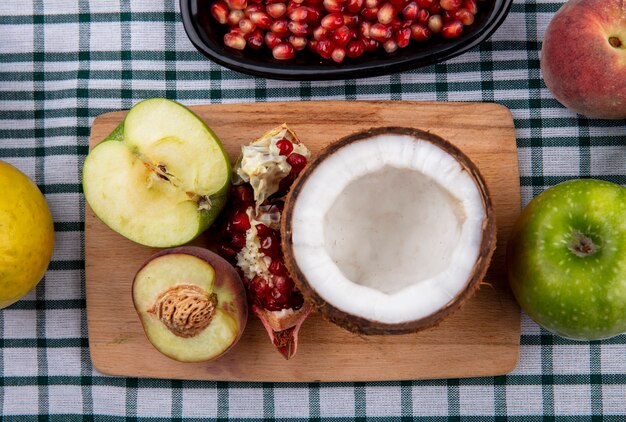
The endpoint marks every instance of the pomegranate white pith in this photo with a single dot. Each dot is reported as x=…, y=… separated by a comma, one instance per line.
x=387, y=229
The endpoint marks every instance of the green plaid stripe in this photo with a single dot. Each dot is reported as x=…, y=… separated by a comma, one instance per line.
x=63, y=62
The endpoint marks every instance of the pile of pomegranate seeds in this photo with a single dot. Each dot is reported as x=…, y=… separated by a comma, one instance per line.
x=277, y=290
x=334, y=29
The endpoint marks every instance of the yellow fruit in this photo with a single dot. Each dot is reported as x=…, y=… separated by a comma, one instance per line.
x=26, y=235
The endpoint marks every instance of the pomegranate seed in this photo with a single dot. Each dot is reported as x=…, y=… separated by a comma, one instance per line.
x=450, y=4
x=259, y=286
x=298, y=28
x=370, y=13
x=272, y=40
x=403, y=37
x=364, y=28
x=298, y=43
x=355, y=49
x=321, y=33
x=370, y=44
x=261, y=19
x=398, y=4
x=276, y=10
x=246, y=26
x=238, y=241
x=471, y=6
x=227, y=251
x=283, y=51
x=332, y=21
x=234, y=17
x=270, y=245
x=255, y=40
x=240, y=222
x=420, y=33
x=298, y=1
x=448, y=16
x=256, y=1
x=435, y=23
x=284, y=285
x=390, y=46
x=333, y=6
x=342, y=36
x=435, y=8
x=295, y=160
x=422, y=16
x=253, y=8
x=234, y=40
x=237, y=4
x=425, y=4
x=410, y=11
x=452, y=29
x=299, y=14
x=338, y=54
x=386, y=13
x=370, y=4
x=243, y=194
x=465, y=16
x=291, y=6
x=312, y=47
x=284, y=146
x=280, y=27
x=277, y=267
x=396, y=24
x=350, y=20
x=354, y=6
x=263, y=231
x=314, y=15
x=380, y=32
x=219, y=11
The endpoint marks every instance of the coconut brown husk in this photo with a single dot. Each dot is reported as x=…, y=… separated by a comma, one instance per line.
x=370, y=327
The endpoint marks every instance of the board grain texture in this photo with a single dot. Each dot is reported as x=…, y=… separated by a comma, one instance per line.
x=482, y=339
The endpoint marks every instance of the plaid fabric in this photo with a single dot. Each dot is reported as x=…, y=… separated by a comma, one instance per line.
x=63, y=62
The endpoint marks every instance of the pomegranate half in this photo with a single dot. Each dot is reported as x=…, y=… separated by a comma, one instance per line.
x=388, y=231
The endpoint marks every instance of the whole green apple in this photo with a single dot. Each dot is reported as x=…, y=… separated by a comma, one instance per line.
x=566, y=259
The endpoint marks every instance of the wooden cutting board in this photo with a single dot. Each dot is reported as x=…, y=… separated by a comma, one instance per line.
x=481, y=339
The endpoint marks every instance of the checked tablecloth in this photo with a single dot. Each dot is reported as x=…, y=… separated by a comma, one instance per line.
x=63, y=62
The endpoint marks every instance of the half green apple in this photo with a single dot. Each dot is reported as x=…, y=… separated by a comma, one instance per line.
x=160, y=178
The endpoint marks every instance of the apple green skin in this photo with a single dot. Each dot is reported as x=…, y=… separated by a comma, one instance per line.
x=579, y=65
x=218, y=199
x=574, y=296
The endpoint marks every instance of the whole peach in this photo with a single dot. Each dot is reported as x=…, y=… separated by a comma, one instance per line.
x=583, y=58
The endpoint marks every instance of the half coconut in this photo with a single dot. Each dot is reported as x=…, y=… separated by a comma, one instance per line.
x=389, y=231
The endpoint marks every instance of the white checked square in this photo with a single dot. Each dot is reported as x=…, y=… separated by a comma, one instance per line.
x=63, y=361
x=572, y=400
x=609, y=160
x=245, y=403
x=71, y=245
x=383, y=401
x=614, y=399
x=61, y=37
x=524, y=400
x=291, y=402
x=146, y=6
x=108, y=400
x=61, y=284
x=561, y=161
x=430, y=401
x=200, y=402
x=8, y=8
x=613, y=360
x=21, y=41
x=570, y=359
x=19, y=361
x=336, y=401
x=64, y=206
x=529, y=362
x=104, y=6
x=152, y=402
x=63, y=323
x=20, y=400
x=19, y=323
x=476, y=400
x=146, y=37
x=56, y=6
x=58, y=168
x=23, y=164
x=64, y=399
x=105, y=36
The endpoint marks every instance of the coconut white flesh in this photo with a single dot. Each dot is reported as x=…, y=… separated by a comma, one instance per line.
x=388, y=228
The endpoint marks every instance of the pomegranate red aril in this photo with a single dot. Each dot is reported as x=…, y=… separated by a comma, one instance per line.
x=240, y=222
x=450, y=4
x=312, y=46
x=333, y=6
x=403, y=37
x=420, y=33
x=332, y=21
x=246, y=26
x=261, y=20
x=398, y=4
x=447, y=16
x=298, y=28
x=291, y=6
x=283, y=51
x=422, y=16
x=255, y=39
x=280, y=27
x=276, y=10
x=452, y=29
x=276, y=267
x=338, y=54
x=234, y=39
x=435, y=23
x=471, y=5
x=390, y=45
x=227, y=251
x=321, y=33
x=370, y=4
x=297, y=161
x=237, y=4
x=284, y=285
x=243, y=194
x=238, y=241
x=370, y=13
x=380, y=32
x=464, y=16
x=315, y=15
x=263, y=231
x=234, y=17
x=350, y=20
x=386, y=13
x=299, y=14
x=259, y=286
x=396, y=24
x=270, y=245
x=355, y=49
x=298, y=43
x=364, y=28
x=355, y=6
x=342, y=36
x=219, y=11
x=272, y=40
x=425, y=4
x=410, y=11
x=435, y=8
x=253, y=8
x=370, y=44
